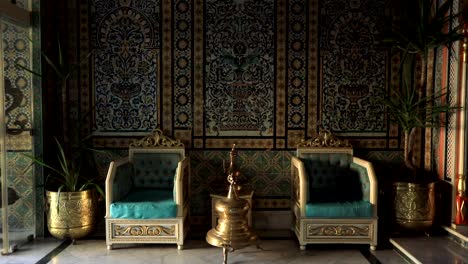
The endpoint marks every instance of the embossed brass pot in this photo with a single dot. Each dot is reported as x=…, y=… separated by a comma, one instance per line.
x=74, y=215
x=414, y=205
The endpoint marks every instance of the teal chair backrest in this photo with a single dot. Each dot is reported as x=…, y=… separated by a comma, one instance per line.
x=330, y=178
x=123, y=181
x=155, y=170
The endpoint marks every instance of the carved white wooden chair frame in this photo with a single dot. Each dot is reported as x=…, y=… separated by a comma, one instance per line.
x=315, y=230
x=164, y=230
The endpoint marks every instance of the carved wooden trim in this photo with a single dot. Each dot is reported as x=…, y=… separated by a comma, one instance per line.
x=143, y=230
x=337, y=230
x=296, y=187
x=325, y=139
x=157, y=139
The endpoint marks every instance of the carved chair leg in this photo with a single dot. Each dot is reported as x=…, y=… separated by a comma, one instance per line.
x=180, y=247
x=109, y=247
x=373, y=247
x=302, y=247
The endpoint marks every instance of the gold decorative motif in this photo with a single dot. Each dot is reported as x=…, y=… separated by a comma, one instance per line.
x=339, y=230
x=71, y=214
x=156, y=139
x=414, y=205
x=325, y=139
x=152, y=230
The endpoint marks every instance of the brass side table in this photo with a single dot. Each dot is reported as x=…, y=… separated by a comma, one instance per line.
x=242, y=194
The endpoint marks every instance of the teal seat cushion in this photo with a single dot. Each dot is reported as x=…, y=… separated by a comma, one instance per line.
x=354, y=209
x=145, y=204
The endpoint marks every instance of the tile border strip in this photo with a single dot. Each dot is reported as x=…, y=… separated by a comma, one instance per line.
x=47, y=258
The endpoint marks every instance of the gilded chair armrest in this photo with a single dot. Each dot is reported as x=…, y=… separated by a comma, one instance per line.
x=182, y=183
x=111, y=179
x=373, y=185
x=299, y=184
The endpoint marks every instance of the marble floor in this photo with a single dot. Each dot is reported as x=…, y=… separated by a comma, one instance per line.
x=274, y=251
x=198, y=252
x=442, y=250
x=32, y=251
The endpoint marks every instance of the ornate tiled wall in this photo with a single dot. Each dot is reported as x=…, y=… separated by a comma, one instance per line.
x=21, y=211
x=354, y=68
x=17, y=83
x=263, y=171
x=218, y=72
x=22, y=104
x=239, y=63
x=183, y=65
x=126, y=39
x=261, y=74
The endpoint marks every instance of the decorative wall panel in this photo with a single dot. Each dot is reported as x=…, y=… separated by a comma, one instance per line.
x=21, y=211
x=247, y=73
x=126, y=35
x=18, y=99
x=18, y=102
x=183, y=64
x=166, y=102
x=84, y=86
x=198, y=73
x=312, y=69
x=452, y=100
x=266, y=172
x=297, y=64
x=353, y=68
x=239, y=66
x=280, y=84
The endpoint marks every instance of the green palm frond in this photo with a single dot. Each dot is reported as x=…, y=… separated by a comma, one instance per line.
x=418, y=27
x=65, y=172
x=411, y=112
x=421, y=27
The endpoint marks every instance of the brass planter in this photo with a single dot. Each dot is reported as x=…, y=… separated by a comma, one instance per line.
x=414, y=205
x=74, y=217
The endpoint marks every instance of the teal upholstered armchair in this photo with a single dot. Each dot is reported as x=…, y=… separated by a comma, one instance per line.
x=334, y=196
x=147, y=199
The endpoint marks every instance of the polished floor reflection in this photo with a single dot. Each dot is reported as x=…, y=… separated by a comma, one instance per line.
x=442, y=250
x=273, y=251
x=32, y=251
x=198, y=251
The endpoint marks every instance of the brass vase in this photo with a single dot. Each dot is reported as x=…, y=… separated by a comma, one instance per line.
x=74, y=216
x=232, y=231
x=414, y=205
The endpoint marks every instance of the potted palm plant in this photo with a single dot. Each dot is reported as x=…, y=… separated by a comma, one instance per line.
x=72, y=194
x=419, y=28
x=71, y=197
